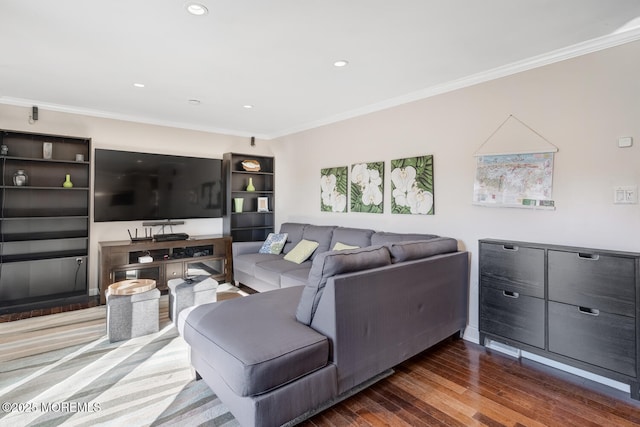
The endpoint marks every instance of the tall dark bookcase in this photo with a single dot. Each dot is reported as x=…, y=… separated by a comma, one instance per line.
x=251, y=224
x=44, y=227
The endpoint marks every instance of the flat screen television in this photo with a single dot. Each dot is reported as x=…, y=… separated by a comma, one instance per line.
x=130, y=186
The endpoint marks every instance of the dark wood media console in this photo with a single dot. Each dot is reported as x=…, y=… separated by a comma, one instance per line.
x=199, y=255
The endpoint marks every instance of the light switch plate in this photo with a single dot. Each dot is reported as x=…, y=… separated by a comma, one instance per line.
x=625, y=195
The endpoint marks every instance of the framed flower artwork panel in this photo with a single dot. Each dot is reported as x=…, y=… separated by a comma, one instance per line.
x=333, y=189
x=412, y=186
x=367, y=187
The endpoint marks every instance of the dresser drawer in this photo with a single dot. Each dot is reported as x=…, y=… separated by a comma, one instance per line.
x=599, y=338
x=512, y=315
x=513, y=267
x=603, y=282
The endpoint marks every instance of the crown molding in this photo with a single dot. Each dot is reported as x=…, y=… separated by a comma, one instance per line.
x=20, y=102
x=580, y=49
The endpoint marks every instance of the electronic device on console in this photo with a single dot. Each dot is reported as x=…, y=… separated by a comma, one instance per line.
x=170, y=237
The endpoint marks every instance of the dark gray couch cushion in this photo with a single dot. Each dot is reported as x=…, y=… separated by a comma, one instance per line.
x=248, y=262
x=295, y=277
x=321, y=234
x=329, y=264
x=270, y=271
x=383, y=237
x=407, y=251
x=360, y=237
x=294, y=232
x=246, y=343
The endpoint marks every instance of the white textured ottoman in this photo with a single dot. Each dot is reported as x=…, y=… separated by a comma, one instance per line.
x=134, y=315
x=184, y=293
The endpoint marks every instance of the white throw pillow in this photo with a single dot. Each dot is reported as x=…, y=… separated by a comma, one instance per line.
x=302, y=251
x=342, y=246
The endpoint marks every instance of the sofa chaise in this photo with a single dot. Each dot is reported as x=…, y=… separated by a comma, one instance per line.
x=273, y=357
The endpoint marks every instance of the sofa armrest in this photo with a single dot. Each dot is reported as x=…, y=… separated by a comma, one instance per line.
x=241, y=248
x=376, y=319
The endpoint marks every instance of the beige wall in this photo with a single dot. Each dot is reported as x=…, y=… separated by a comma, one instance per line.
x=122, y=135
x=582, y=106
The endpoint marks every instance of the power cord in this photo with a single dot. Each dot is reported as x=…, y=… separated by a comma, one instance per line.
x=75, y=280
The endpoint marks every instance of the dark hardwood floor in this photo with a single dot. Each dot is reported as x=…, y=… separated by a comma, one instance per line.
x=459, y=383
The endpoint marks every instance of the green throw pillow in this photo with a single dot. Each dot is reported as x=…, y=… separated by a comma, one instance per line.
x=341, y=246
x=302, y=251
x=274, y=243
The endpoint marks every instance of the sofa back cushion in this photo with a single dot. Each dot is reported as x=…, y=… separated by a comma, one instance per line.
x=294, y=232
x=328, y=264
x=321, y=234
x=385, y=238
x=360, y=237
x=417, y=249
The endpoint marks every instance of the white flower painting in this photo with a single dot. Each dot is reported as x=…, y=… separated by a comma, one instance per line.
x=412, y=186
x=333, y=189
x=367, y=187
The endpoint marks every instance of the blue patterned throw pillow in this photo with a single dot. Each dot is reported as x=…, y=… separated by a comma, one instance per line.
x=274, y=243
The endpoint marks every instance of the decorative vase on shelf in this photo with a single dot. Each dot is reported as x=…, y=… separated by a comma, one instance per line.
x=250, y=187
x=67, y=183
x=238, y=202
x=20, y=178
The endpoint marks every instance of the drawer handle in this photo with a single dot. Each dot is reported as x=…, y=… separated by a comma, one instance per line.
x=509, y=247
x=510, y=294
x=592, y=257
x=589, y=311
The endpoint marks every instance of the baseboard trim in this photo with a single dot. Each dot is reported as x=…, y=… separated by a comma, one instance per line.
x=471, y=333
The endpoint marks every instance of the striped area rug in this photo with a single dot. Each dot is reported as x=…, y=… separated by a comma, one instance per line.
x=61, y=370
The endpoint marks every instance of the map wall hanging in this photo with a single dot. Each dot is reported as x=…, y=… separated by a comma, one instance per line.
x=516, y=180
x=514, y=168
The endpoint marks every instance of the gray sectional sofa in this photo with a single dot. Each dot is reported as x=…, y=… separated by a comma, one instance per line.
x=266, y=272
x=273, y=357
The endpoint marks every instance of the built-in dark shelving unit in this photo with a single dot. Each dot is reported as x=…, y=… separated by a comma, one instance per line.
x=44, y=227
x=249, y=225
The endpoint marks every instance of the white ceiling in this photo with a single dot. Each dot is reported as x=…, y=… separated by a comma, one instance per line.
x=84, y=56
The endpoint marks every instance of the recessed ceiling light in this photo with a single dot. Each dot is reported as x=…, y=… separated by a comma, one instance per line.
x=341, y=63
x=138, y=84
x=194, y=101
x=196, y=9
x=248, y=106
